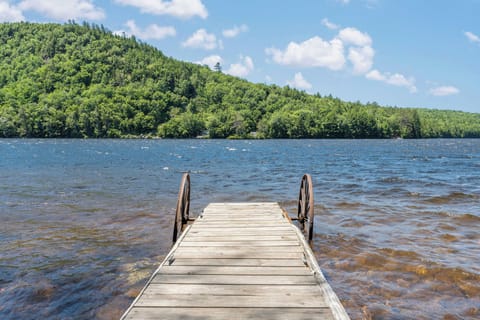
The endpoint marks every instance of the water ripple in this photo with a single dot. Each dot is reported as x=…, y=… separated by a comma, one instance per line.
x=85, y=223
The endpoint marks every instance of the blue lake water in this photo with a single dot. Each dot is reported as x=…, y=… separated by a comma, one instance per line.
x=83, y=223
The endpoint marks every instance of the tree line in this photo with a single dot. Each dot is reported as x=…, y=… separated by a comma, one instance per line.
x=83, y=81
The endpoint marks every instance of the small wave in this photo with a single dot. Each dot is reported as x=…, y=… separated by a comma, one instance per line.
x=459, y=218
x=399, y=253
x=449, y=198
x=351, y=223
x=348, y=205
x=447, y=227
x=392, y=180
x=468, y=217
x=447, y=237
x=395, y=191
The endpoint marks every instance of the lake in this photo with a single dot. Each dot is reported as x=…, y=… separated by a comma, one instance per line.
x=84, y=223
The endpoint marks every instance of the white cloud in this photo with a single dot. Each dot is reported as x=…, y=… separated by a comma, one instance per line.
x=361, y=58
x=241, y=69
x=299, y=82
x=443, y=91
x=211, y=61
x=235, y=31
x=202, y=39
x=354, y=37
x=329, y=25
x=183, y=9
x=472, y=37
x=376, y=75
x=395, y=79
x=152, y=31
x=350, y=44
x=361, y=53
x=314, y=52
x=64, y=9
x=10, y=13
x=344, y=1
x=400, y=80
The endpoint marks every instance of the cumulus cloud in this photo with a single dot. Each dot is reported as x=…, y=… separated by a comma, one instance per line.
x=202, y=39
x=376, y=75
x=235, y=31
x=314, y=52
x=241, y=69
x=183, y=9
x=299, y=82
x=360, y=52
x=361, y=58
x=443, y=91
x=211, y=61
x=64, y=9
x=349, y=48
x=354, y=37
x=329, y=25
x=10, y=13
x=152, y=31
x=472, y=37
x=395, y=79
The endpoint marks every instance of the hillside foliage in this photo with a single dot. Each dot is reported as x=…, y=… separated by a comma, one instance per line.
x=82, y=81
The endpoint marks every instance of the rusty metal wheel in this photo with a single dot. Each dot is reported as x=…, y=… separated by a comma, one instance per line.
x=183, y=207
x=306, y=207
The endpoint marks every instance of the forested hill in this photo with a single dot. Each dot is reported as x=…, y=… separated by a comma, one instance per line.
x=83, y=81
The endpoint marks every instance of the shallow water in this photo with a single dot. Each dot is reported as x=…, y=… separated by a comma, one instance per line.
x=85, y=222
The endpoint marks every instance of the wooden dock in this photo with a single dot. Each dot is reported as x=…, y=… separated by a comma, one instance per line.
x=238, y=261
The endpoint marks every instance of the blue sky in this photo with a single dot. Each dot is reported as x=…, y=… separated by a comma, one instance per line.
x=406, y=53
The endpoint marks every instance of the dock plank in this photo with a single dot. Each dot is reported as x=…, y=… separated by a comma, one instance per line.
x=240, y=262
x=280, y=243
x=239, y=250
x=231, y=270
x=235, y=279
x=239, y=232
x=194, y=237
x=184, y=313
x=241, y=289
x=230, y=301
x=181, y=254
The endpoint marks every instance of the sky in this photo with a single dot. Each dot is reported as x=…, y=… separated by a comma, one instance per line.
x=405, y=53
